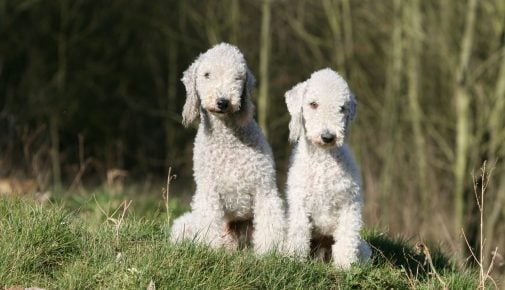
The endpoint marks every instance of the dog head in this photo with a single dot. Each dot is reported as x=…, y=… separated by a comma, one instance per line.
x=321, y=109
x=220, y=83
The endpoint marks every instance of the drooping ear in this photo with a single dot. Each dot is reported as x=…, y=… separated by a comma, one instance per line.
x=294, y=100
x=191, y=109
x=250, y=82
x=353, y=106
x=246, y=112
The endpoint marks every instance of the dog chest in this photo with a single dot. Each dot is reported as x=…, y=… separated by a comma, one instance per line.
x=328, y=186
x=323, y=206
x=232, y=170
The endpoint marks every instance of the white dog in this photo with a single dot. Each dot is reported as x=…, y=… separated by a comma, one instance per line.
x=324, y=183
x=234, y=168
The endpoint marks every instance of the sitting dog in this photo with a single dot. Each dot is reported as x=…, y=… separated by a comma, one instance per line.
x=324, y=183
x=234, y=168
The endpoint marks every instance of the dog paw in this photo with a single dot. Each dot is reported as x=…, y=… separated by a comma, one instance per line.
x=344, y=257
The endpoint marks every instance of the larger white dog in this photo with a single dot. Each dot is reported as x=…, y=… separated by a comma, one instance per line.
x=233, y=165
x=324, y=183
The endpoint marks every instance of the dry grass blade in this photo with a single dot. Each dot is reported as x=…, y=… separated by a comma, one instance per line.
x=116, y=221
x=422, y=248
x=166, y=193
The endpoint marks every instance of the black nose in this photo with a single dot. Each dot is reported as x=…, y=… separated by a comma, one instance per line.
x=327, y=137
x=222, y=104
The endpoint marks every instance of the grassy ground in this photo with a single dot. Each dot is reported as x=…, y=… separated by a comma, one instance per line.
x=73, y=245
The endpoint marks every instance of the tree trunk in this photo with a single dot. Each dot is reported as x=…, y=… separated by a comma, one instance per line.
x=264, y=66
x=55, y=150
x=60, y=80
x=497, y=138
x=234, y=21
x=211, y=24
x=172, y=79
x=462, y=102
x=332, y=16
x=390, y=113
x=415, y=33
x=348, y=38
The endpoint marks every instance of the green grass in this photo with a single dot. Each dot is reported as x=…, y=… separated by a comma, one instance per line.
x=53, y=247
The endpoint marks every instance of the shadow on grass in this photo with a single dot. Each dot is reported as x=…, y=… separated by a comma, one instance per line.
x=415, y=260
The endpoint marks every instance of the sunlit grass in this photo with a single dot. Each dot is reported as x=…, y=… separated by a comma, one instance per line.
x=74, y=245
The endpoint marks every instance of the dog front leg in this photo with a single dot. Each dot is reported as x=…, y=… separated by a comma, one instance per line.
x=268, y=221
x=347, y=240
x=297, y=241
x=208, y=215
x=183, y=228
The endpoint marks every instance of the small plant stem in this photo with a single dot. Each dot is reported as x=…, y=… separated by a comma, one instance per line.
x=485, y=176
x=166, y=193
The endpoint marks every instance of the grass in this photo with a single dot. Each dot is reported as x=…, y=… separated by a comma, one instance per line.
x=57, y=246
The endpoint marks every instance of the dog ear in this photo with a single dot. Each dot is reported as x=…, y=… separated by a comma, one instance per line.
x=191, y=109
x=250, y=82
x=353, y=106
x=246, y=106
x=294, y=99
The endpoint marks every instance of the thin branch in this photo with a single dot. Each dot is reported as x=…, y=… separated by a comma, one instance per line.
x=470, y=248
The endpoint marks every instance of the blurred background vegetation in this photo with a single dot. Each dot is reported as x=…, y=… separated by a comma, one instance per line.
x=90, y=95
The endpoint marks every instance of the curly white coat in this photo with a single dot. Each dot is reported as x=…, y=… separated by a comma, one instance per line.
x=324, y=183
x=234, y=168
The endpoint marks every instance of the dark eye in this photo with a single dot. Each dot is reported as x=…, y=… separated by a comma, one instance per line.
x=207, y=75
x=239, y=78
x=342, y=109
x=313, y=105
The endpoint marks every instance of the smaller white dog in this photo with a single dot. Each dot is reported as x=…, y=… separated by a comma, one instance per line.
x=324, y=183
